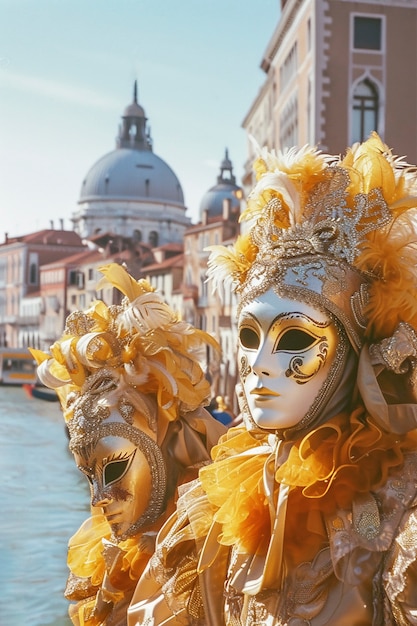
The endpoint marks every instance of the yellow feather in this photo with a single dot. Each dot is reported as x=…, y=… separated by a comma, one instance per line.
x=391, y=255
x=117, y=276
x=370, y=162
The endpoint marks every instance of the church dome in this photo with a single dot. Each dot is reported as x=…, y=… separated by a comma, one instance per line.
x=132, y=171
x=129, y=174
x=131, y=189
x=225, y=190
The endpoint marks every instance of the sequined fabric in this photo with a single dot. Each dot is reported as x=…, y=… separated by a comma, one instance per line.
x=357, y=570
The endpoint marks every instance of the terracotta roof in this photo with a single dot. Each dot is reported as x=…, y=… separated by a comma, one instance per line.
x=84, y=256
x=48, y=237
x=173, y=261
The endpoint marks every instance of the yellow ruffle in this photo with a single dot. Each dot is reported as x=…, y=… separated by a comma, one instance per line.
x=85, y=549
x=324, y=470
x=86, y=555
x=242, y=505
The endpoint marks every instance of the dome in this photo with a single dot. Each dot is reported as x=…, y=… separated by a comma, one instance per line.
x=131, y=189
x=131, y=174
x=225, y=189
x=134, y=110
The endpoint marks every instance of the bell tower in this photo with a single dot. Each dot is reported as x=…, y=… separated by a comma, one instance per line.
x=133, y=131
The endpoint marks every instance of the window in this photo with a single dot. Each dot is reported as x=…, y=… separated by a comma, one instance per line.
x=33, y=274
x=203, y=288
x=33, y=268
x=153, y=238
x=288, y=135
x=203, y=322
x=72, y=277
x=310, y=124
x=288, y=69
x=365, y=110
x=367, y=33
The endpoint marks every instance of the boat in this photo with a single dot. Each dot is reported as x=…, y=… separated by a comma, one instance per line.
x=17, y=367
x=40, y=393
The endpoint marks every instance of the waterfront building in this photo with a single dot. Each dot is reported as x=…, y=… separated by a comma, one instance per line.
x=334, y=72
x=20, y=261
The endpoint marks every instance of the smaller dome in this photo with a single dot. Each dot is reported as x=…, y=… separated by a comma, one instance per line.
x=226, y=190
x=134, y=110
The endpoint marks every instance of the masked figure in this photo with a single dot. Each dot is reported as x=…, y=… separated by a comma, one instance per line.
x=133, y=391
x=307, y=515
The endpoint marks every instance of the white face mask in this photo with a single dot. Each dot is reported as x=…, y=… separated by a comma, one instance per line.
x=286, y=350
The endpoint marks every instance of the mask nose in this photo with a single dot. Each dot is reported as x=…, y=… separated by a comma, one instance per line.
x=266, y=363
x=260, y=372
x=98, y=498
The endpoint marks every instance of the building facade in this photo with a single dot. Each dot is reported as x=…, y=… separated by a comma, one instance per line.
x=21, y=259
x=335, y=71
x=210, y=310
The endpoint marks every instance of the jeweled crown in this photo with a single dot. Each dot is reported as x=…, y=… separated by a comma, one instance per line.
x=335, y=232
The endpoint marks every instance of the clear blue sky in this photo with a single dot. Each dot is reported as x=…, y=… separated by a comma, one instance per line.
x=67, y=69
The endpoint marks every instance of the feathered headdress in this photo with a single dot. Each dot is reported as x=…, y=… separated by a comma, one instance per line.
x=137, y=356
x=335, y=232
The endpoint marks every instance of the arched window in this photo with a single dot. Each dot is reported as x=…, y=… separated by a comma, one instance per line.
x=153, y=238
x=364, y=110
x=33, y=274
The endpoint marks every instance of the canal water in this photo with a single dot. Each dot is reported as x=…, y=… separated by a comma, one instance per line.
x=43, y=499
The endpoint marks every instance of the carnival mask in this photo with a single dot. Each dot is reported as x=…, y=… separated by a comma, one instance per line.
x=286, y=352
x=126, y=472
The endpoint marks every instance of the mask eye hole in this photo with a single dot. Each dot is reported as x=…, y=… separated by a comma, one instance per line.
x=295, y=340
x=115, y=470
x=248, y=338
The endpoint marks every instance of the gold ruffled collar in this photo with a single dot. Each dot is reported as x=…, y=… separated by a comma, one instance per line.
x=322, y=471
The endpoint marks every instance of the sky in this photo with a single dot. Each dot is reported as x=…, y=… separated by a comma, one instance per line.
x=67, y=69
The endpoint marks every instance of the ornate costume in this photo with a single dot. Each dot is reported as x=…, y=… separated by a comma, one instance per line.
x=307, y=516
x=132, y=390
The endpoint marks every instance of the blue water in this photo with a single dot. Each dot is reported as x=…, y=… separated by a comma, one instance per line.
x=43, y=500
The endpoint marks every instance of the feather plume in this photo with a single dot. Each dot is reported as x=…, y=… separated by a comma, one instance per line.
x=141, y=344
x=146, y=312
x=228, y=266
x=391, y=255
x=278, y=185
x=116, y=275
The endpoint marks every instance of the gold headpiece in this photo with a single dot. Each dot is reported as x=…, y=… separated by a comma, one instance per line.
x=136, y=360
x=338, y=233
